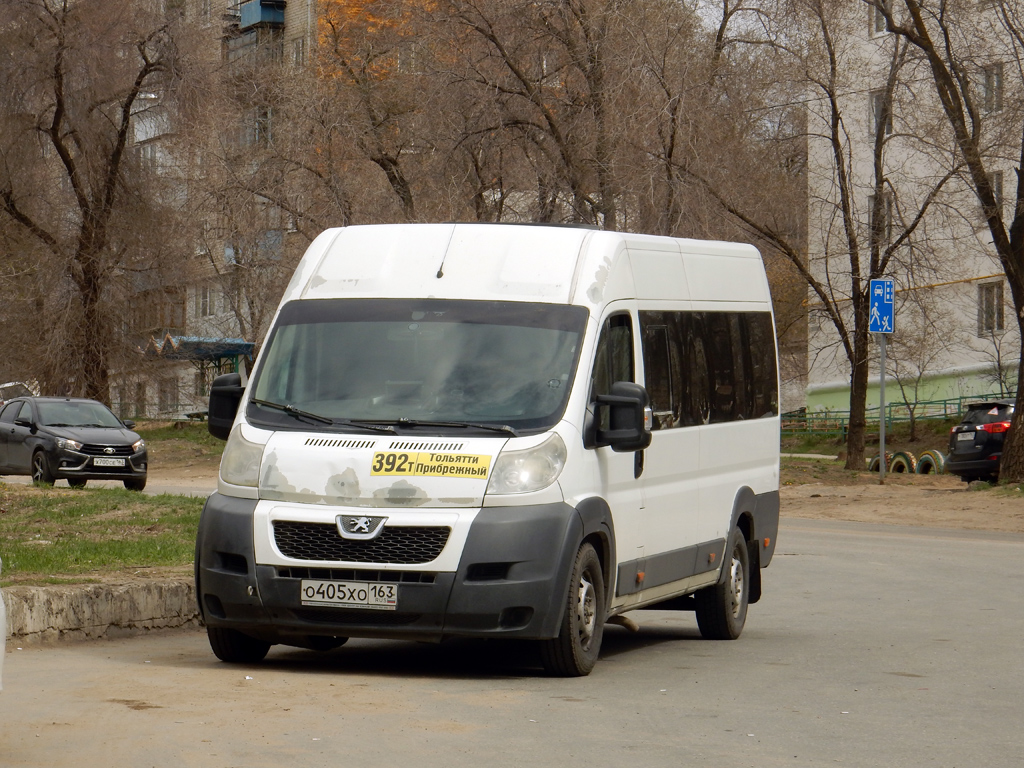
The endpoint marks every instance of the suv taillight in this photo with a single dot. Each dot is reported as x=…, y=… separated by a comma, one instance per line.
x=995, y=428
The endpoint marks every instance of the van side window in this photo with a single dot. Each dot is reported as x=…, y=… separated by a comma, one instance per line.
x=613, y=360
x=764, y=387
x=709, y=367
x=659, y=377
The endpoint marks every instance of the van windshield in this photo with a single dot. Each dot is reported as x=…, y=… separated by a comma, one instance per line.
x=402, y=361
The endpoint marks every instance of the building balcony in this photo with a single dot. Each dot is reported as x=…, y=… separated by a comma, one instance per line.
x=265, y=13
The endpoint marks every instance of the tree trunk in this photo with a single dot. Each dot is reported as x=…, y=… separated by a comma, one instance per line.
x=1011, y=465
x=858, y=397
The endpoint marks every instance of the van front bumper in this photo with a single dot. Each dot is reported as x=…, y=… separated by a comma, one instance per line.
x=512, y=581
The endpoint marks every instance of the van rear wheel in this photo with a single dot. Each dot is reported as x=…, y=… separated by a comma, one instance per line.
x=722, y=608
x=574, y=652
x=235, y=647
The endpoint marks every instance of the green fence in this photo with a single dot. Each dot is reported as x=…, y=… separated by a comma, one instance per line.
x=835, y=422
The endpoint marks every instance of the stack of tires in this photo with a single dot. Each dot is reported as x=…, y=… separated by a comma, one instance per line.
x=904, y=462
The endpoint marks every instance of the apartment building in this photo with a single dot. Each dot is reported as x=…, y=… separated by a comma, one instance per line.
x=203, y=321
x=887, y=186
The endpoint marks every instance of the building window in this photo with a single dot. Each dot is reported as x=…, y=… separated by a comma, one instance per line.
x=876, y=17
x=257, y=129
x=168, y=394
x=299, y=52
x=206, y=301
x=881, y=110
x=990, y=308
x=147, y=155
x=993, y=88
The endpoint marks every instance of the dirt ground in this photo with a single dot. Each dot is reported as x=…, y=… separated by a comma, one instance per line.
x=821, y=489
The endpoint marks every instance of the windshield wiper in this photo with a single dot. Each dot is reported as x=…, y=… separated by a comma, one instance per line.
x=299, y=413
x=291, y=409
x=404, y=422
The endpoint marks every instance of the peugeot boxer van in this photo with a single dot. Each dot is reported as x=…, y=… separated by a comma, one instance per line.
x=504, y=431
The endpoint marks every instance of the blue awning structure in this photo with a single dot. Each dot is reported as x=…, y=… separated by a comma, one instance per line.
x=198, y=348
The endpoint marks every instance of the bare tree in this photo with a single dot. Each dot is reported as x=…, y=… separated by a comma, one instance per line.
x=865, y=216
x=917, y=348
x=557, y=75
x=956, y=38
x=74, y=95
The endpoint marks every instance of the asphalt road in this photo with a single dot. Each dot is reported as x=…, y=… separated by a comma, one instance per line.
x=873, y=646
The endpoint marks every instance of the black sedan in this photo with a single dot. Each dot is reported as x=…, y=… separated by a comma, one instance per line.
x=51, y=438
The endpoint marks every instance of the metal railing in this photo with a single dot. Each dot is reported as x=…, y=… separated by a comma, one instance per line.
x=833, y=422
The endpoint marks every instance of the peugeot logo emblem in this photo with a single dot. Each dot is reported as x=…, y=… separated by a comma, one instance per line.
x=108, y=450
x=360, y=527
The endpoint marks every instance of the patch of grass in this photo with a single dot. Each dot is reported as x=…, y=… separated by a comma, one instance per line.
x=61, y=534
x=1011, y=490
x=194, y=433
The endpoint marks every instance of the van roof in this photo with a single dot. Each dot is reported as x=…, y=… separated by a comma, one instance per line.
x=553, y=264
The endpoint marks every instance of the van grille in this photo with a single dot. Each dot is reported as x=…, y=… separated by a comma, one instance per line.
x=407, y=545
x=355, y=574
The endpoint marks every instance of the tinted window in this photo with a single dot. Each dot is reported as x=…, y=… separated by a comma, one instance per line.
x=613, y=360
x=988, y=414
x=7, y=414
x=709, y=367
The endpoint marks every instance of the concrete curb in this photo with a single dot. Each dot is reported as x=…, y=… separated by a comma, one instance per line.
x=38, y=615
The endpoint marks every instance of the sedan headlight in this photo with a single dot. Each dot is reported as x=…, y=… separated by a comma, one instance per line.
x=240, y=464
x=138, y=445
x=529, y=470
x=73, y=445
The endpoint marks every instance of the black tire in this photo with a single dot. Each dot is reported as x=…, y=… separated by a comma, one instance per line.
x=234, y=647
x=135, y=485
x=574, y=652
x=77, y=483
x=722, y=609
x=41, y=469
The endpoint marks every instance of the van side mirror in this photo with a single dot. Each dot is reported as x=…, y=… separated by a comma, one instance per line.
x=629, y=428
x=225, y=395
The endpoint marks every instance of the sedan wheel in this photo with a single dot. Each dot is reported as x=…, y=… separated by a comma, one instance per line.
x=41, y=469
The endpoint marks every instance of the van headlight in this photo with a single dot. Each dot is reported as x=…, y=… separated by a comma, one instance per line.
x=240, y=463
x=530, y=470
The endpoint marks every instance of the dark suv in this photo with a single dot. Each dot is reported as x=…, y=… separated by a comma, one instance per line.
x=71, y=438
x=976, y=443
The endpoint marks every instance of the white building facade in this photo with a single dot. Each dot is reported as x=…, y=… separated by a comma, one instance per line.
x=886, y=151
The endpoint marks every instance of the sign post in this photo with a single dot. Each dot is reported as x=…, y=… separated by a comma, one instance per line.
x=881, y=320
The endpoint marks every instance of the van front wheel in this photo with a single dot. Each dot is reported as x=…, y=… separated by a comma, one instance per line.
x=574, y=652
x=234, y=647
x=722, y=609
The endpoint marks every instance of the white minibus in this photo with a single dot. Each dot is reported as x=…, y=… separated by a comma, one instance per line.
x=496, y=431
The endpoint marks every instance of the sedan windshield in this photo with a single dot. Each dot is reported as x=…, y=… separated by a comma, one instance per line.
x=72, y=414
x=417, y=363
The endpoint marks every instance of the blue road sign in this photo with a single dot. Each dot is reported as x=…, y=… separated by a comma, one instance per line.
x=882, y=312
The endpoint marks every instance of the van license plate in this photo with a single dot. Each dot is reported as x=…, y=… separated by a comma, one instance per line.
x=101, y=462
x=963, y=437
x=350, y=594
